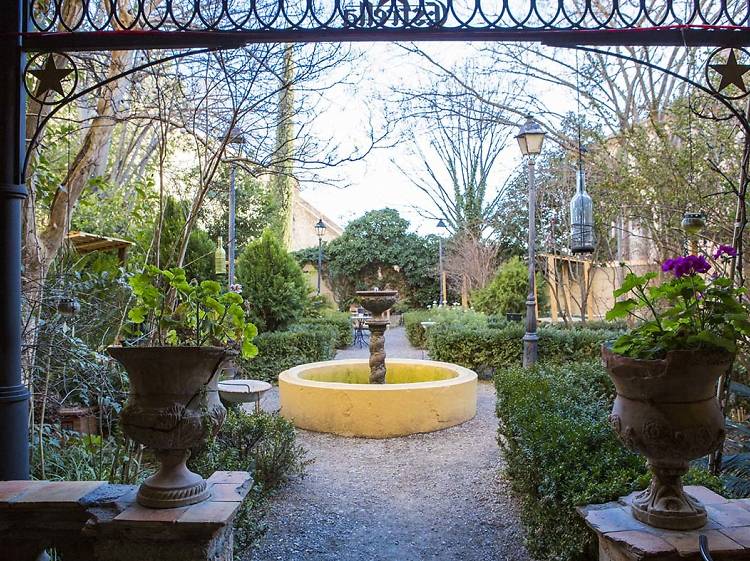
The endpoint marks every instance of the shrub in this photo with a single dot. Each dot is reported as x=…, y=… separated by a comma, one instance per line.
x=592, y=325
x=262, y=444
x=487, y=350
x=340, y=321
x=443, y=316
x=280, y=350
x=508, y=291
x=561, y=453
x=273, y=284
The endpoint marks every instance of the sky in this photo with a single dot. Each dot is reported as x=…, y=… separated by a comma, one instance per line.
x=376, y=182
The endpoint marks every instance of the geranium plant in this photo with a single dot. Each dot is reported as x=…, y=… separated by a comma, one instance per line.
x=690, y=310
x=170, y=310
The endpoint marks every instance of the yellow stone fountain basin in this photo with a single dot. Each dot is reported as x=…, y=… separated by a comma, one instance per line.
x=418, y=396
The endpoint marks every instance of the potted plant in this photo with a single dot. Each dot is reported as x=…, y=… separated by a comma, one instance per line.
x=179, y=336
x=665, y=372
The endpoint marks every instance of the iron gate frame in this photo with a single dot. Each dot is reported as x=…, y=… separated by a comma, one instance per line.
x=21, y=33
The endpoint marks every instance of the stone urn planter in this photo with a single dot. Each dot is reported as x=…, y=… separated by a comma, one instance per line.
x=172, y=407
x=667, y=411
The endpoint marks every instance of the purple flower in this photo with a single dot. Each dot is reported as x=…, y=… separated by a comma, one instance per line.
x=727, y=250
x=668, y=265
x=688, y=265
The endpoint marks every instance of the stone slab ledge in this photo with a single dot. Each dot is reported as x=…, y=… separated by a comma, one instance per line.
x=623, y=538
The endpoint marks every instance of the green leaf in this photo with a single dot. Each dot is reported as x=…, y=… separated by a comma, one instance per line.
x=211, y=287
x=248, y=349
x=138, y=314
x=213, y=304
x=621, y=309
x=632, y=281
x=713, y=340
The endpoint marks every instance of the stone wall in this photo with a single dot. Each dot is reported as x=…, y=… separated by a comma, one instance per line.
x=97, y=521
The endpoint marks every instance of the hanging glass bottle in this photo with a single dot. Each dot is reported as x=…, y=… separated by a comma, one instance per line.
x=220, y=258
x=582, y=218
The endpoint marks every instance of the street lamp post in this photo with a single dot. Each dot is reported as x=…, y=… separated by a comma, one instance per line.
x=320, y=229
x=530, y=138
x=235, y=137
x=443, y=284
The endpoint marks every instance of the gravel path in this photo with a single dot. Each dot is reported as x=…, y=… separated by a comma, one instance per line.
x=437, y=496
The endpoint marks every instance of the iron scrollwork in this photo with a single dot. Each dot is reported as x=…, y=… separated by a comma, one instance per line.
x=319, y=15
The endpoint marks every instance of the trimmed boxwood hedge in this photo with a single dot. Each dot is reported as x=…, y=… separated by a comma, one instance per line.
x=487, y=350
x=449, y=316
x=340, y=321
x=561, y=453
x=280, y=350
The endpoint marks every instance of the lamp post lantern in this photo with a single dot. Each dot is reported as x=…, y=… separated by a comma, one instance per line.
x=530, y=138
x=320, y=229
x=692, y=224
x=235, y=137
x=443, y=284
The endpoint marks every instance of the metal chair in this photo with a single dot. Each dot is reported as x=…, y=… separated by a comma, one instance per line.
x=703, y=546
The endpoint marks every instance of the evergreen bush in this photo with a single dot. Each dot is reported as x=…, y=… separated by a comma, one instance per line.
x=273, y=284
x=508, y=291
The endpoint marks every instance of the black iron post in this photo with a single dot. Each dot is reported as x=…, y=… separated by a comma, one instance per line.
x=14, y=396
x=531, y=338
x=232, y=213
x=320, y=261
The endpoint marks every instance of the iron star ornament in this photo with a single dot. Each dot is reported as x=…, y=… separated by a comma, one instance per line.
x=51, y=78
x=732, y=73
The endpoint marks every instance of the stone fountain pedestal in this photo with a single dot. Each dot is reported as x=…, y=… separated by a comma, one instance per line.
x=623, y=538
x=377, y=302
x=377, y=350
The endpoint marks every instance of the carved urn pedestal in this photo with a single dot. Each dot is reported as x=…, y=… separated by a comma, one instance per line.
x=377, y=302
x=172, y=407
x=667, y=411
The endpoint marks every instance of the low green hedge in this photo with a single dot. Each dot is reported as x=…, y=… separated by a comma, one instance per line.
x=448, y=316
x=487, y=350
x=340, y=321
x=594, y=325
x=561, y=453
x=280, y=350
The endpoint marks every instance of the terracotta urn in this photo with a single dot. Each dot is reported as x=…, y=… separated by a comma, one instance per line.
x=667, y=411
x=172, y=407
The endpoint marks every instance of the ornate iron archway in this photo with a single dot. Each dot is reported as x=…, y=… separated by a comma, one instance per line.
x=47, y=26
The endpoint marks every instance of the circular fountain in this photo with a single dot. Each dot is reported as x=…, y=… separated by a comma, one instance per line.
x=378, y=398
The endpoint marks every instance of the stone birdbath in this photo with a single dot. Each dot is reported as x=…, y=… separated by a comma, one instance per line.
x=377, y=302
x=243, y=391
